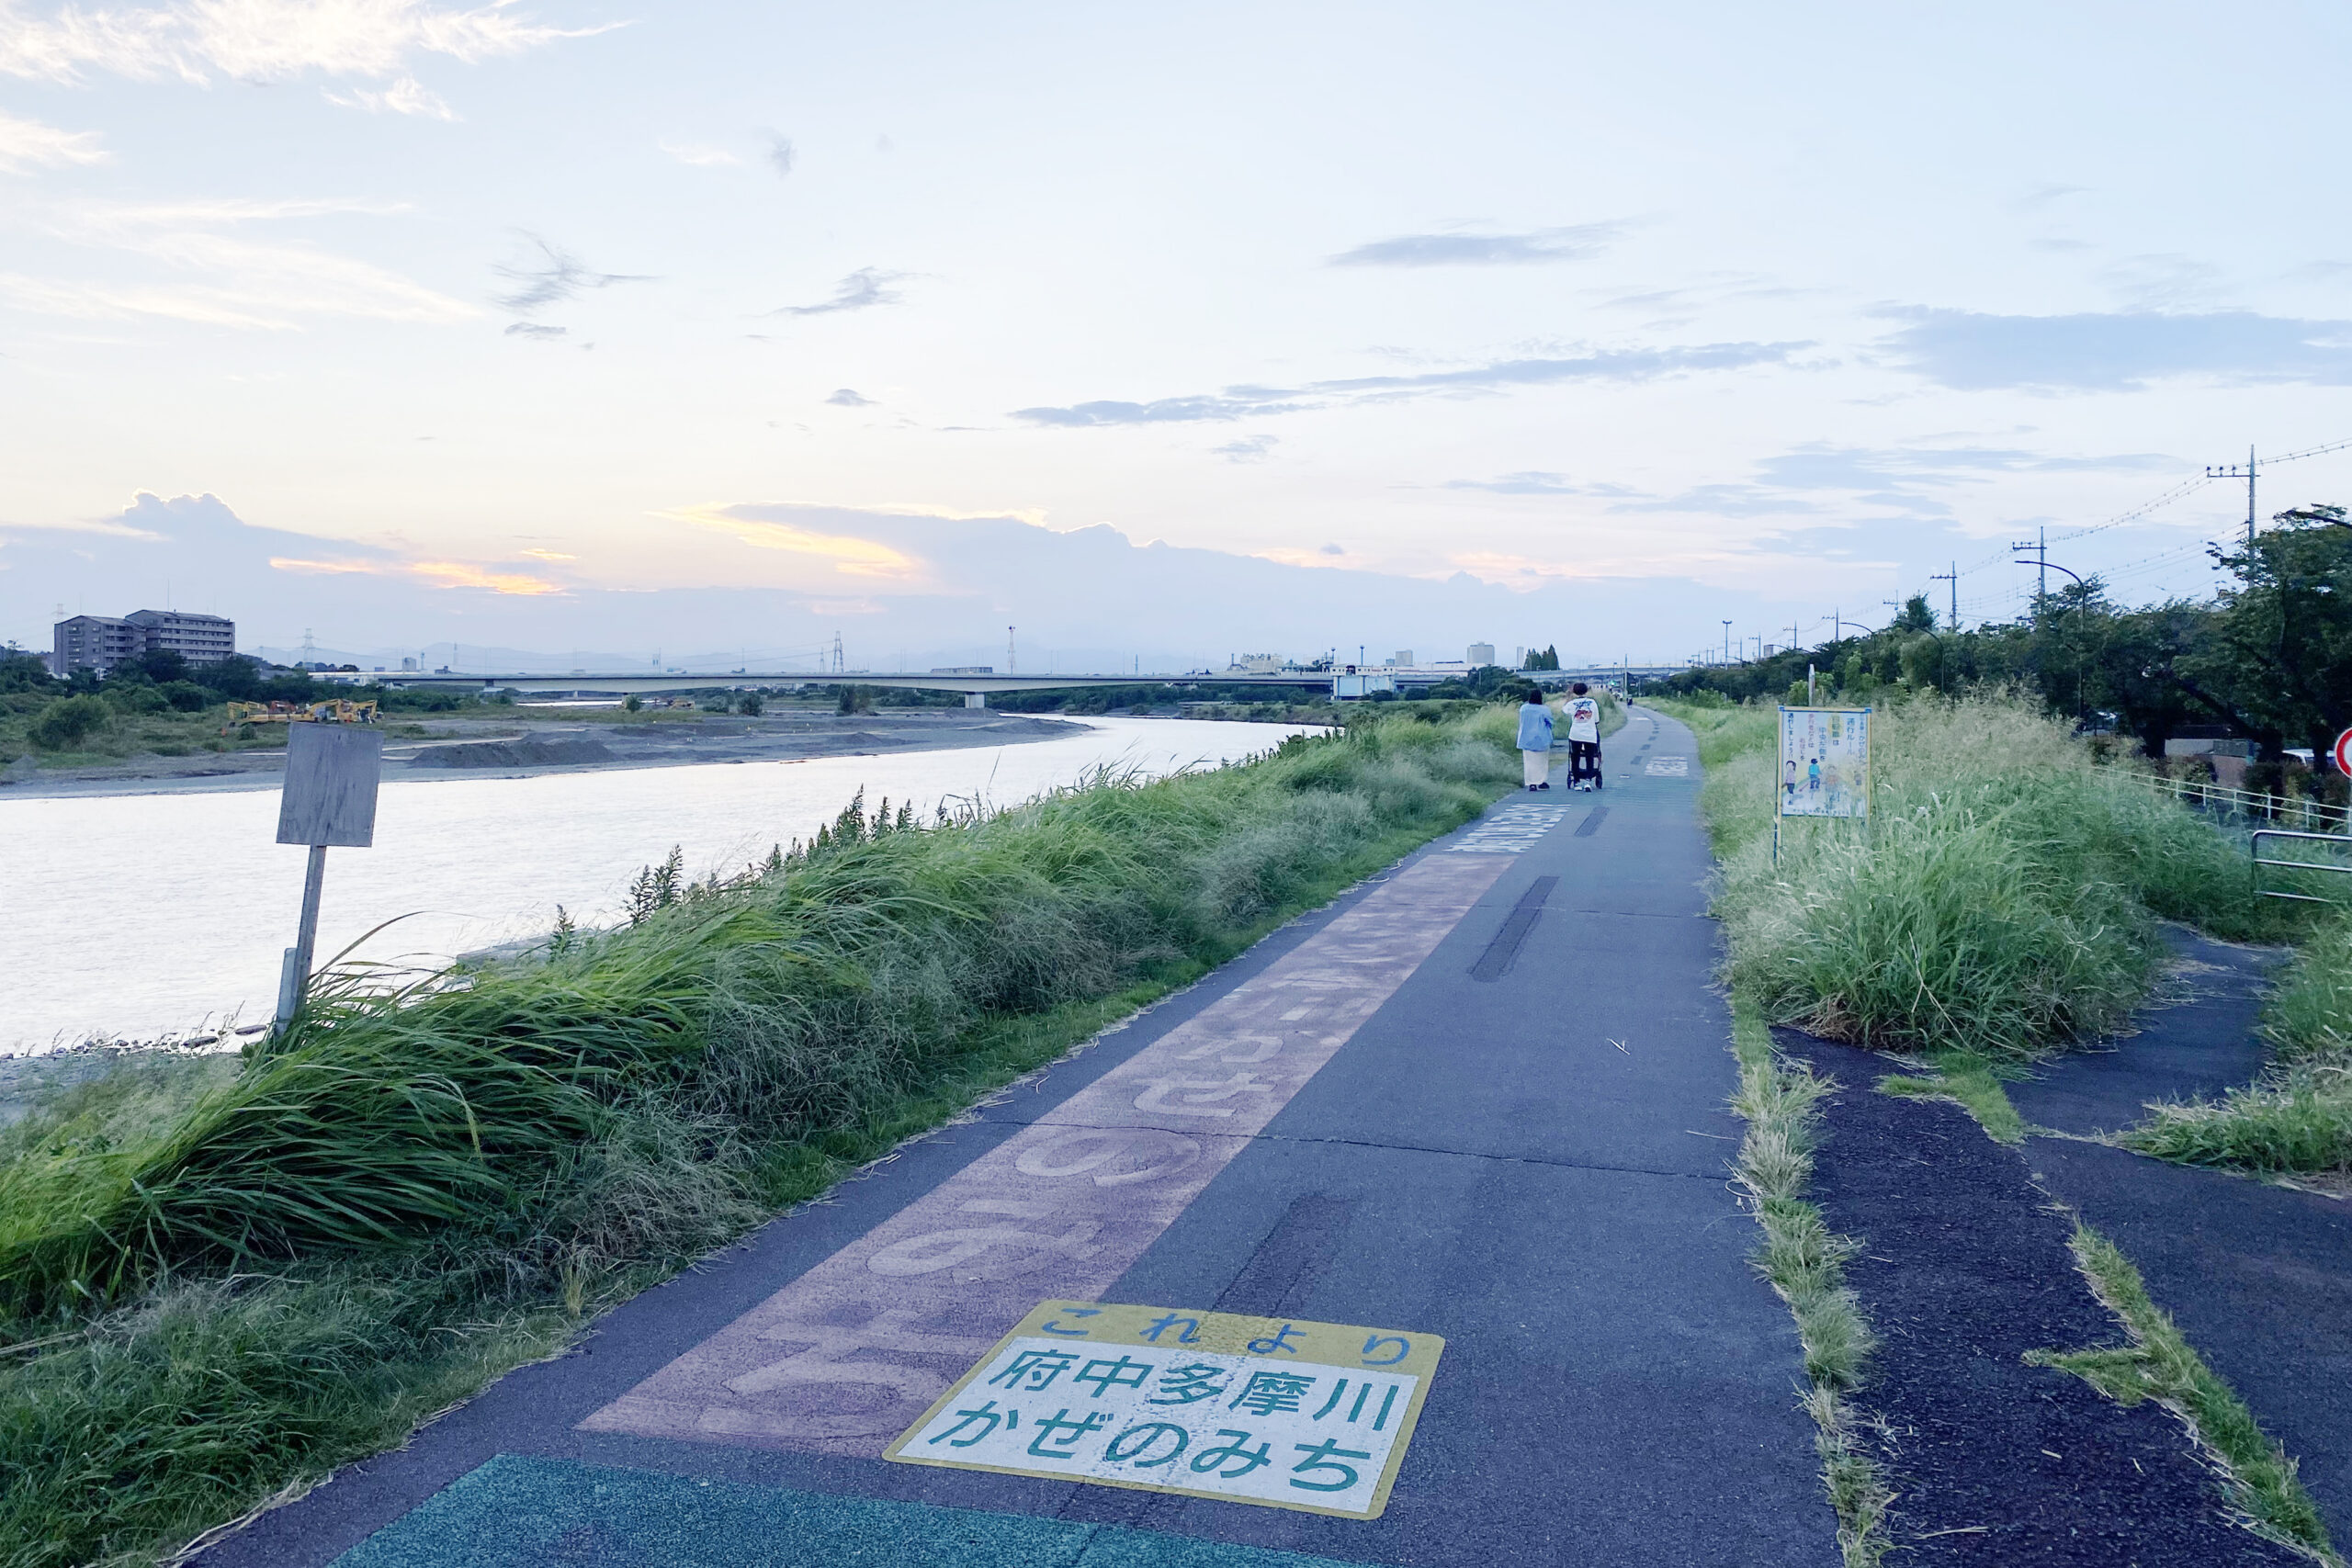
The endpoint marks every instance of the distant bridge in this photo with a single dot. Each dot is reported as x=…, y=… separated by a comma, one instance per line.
x=976, y=686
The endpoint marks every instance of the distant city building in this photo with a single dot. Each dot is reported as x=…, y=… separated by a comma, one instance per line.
x=98, y=643
x=1256, y=664
x=962, y=668
x=1403, y=659
x=1481, y=653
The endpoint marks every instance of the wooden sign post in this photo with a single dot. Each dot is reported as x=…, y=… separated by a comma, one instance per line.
x=331, y=772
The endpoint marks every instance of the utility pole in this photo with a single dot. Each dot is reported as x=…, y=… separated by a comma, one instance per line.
x=1951, y=576
x=1008, y=651
x=2040, y=546
x=2240, y=471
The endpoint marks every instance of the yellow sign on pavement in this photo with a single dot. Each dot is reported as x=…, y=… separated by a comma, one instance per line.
x=1264, y=1410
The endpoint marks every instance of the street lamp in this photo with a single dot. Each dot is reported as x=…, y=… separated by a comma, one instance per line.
x=2041, y=558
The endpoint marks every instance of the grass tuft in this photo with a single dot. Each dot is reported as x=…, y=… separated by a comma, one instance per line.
x=2160, y=1364
x=1805, y=1261
x=2297, y=1118
x=1972, y=1081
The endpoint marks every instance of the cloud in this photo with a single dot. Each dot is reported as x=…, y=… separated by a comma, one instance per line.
x=558, y=275
x=1536, y=481
x=1576, y=243
x=781, y=157
x=1237, y=403
x=850, y=397
x=2118, y=352
x=861, y=290
x=463, y=574
x=1247, y=450
x=408, y=95
x=324, y=568
x=27, y=144
x=219, y=276
x=1908, y=482
x=1166, y=411
x=534, y=330
x=260, y=40
x=1332, y=550
x=848, y=554
x=698, y=155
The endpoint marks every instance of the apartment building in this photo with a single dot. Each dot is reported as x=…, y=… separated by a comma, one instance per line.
x=98, y=643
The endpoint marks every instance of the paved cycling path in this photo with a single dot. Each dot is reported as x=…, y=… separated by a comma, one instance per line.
x=1481, y=1098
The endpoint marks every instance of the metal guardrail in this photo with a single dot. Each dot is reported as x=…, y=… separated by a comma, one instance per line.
x=2254, y=805
x=2254, y=846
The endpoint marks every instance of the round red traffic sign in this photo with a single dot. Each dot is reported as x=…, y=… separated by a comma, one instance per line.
x=2344, y=753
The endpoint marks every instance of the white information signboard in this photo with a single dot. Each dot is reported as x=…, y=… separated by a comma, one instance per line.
x=1825, y=762
x=1309, y=1416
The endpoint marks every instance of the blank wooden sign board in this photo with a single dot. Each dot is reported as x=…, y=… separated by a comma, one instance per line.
x=330, y=775
x=331, y=771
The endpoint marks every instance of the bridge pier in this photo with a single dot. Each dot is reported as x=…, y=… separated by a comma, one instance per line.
x=976, y=699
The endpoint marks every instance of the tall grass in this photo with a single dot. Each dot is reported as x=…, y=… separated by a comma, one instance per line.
x=415, y=1190
x=2000, y=901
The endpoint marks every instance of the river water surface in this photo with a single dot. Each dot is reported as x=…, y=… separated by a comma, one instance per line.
x=135, y=915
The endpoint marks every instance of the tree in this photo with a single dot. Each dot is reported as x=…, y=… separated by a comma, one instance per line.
x=22, y=671
x=159, y=665
x=1916, y=615
x=2278, y=659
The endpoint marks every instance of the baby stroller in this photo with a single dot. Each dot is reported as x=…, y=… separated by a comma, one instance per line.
x=1584, y=764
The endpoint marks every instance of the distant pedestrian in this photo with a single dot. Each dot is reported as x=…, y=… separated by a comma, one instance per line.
x=1583, y=738
x=1536, y=740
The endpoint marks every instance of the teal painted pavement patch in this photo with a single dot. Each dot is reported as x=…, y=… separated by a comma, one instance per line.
x=519, y=1512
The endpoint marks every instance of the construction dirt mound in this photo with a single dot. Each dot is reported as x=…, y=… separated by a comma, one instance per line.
x=523, y=753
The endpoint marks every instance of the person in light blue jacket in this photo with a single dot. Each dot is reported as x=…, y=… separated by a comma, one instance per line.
x=1536, y=740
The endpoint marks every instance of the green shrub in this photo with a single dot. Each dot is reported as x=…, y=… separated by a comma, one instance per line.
x=67, y=721
x=1999, y=900
x=137, y=700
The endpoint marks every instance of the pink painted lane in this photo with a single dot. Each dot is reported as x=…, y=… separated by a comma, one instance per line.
x=847, y=1356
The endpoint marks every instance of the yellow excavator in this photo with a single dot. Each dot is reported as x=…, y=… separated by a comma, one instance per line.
x=335, y=711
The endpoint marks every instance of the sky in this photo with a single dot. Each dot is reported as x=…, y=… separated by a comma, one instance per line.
x=647, y=334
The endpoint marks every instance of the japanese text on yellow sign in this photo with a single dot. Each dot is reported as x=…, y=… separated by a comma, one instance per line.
x=1289, y=1415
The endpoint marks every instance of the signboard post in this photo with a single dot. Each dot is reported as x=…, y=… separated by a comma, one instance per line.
x=1825, y=766
x=2343, y=754
x=332, y=773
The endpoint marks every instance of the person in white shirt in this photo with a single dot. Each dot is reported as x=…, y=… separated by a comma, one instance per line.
x=1583, y=714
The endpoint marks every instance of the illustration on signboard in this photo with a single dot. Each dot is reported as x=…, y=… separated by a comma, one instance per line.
x=1825, y=762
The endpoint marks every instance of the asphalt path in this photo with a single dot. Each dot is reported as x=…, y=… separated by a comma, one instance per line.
x=1481, y=1098
x=2259, y=1277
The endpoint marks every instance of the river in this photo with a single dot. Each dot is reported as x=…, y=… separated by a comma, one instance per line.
x=140, y=916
